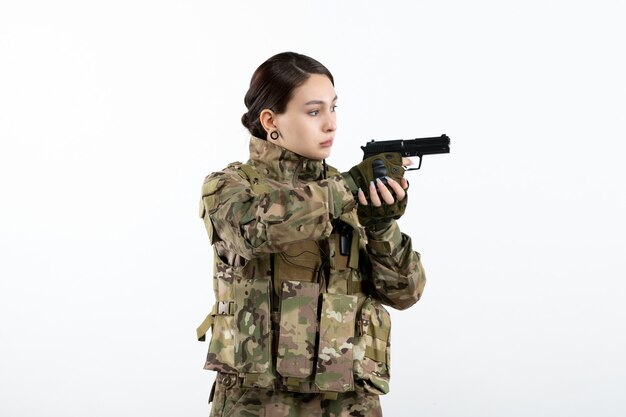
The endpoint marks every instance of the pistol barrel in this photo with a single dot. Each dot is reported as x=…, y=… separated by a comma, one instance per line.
x=409, y=147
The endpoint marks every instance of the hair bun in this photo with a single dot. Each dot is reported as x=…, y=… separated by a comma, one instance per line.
x=245, y=121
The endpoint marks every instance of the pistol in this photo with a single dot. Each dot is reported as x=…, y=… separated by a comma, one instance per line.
x=408, y=147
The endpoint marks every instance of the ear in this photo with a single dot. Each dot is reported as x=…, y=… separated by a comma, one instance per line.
x=268, y=120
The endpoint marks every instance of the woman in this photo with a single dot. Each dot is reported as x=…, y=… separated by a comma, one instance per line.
x=304, y=258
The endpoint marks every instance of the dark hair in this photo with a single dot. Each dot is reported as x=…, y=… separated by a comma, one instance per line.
x=272, y=85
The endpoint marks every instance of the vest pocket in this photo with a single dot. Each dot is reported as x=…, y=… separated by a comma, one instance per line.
x=298, y=328
x=336, y=336
x=252, y=325
x=299, y=262
x=371, y=358
x=221, y=354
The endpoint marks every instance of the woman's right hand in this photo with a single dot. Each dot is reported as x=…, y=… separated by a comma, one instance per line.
x=379, y=186
x=380, y=194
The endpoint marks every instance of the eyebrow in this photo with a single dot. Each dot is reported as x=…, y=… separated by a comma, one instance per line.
x=318, y=101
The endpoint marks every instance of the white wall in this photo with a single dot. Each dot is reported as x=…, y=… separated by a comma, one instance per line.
x=111, y=113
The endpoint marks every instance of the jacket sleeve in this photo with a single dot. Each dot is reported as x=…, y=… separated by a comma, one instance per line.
x=251, y=224
x=397, y=272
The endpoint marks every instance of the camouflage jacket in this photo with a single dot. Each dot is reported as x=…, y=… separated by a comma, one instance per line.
x=299, y=284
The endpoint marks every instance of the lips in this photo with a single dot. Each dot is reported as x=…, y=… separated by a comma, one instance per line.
x=327, y=144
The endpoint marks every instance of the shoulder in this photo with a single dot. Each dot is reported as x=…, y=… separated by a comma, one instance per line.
x=335, y=177
x=231, y=175
x=223, y=185
x=334, y=174
x=331, y=170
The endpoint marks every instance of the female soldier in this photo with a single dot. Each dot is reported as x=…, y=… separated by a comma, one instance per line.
x=304, y=258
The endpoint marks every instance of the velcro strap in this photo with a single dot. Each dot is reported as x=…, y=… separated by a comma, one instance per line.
x=379, y=332
x=354, y=287
x=377, y=354
x=251, y=380
x=204, y=327
x=256, y=380
x=293, y=382
x=330, y=395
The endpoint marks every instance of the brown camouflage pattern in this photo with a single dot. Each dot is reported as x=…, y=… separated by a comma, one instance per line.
x=298, y=329
x=334, y=357
x=300, y=262
x=372, y=349
x=249, y=219
x=221, y=354
x=253, y=325
x=294, y=209
x=232, y=400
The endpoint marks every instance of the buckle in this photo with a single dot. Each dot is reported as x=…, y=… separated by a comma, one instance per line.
x=223, y=308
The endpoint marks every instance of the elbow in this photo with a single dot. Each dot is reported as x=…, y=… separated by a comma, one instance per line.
x=417, y=282
x=413, y=291
x=408, y=301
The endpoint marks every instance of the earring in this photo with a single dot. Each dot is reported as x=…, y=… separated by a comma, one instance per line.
x=274, y=134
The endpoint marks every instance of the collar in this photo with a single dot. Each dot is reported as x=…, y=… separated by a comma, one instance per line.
x=280, y=164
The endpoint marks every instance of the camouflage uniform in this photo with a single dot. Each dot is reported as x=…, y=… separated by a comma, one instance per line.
x=298, y=325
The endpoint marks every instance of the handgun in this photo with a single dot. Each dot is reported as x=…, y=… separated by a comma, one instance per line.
x=408, y=147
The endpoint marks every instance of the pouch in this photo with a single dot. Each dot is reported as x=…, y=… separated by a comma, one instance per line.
x=299, y=262
x=372, y=350
x=298, y=328
x=335, y=353
x=252, y=325
x=221, y=353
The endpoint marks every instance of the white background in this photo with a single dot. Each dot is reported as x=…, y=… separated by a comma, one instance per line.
x=112, y=113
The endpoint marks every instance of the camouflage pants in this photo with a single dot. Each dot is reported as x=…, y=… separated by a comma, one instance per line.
x=230, y=400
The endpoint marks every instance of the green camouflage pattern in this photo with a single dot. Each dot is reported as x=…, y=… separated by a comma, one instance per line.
x=221, y=354
x=232, y=400
x=253, y=325
x=372, y=349
x=343, y=278
x=275, y=214
x=334, y=357
x=295, y=208
x=298, y=329
x=224, y=275
x=397, y=273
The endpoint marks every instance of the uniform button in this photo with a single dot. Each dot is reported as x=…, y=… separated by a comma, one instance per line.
x=228, y=381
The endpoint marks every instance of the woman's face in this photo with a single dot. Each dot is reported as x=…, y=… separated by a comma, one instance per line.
x=307, y=127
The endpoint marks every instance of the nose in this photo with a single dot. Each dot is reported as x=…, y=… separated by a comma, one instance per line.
x=331, y=122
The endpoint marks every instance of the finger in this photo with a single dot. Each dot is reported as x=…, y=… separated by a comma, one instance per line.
x=374, y=198
x=405, y=183
x=406, y=161
x=361, y=196
x=384, y=192
x=396, y=188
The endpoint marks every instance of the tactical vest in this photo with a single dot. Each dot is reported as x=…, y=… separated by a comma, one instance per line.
x=299, y=320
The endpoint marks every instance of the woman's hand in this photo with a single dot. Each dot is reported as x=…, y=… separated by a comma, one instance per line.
x=378, y=190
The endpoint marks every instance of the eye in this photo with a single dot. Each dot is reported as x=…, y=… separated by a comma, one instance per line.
x=314, y=112
x=332, y=108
